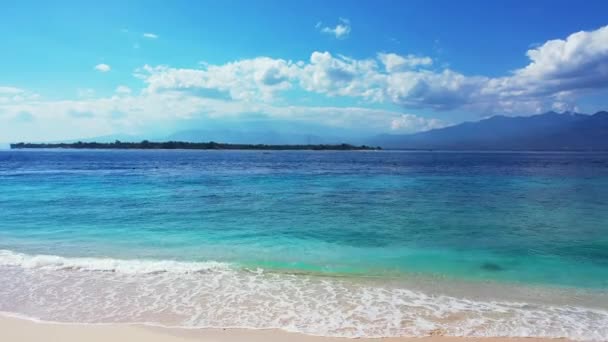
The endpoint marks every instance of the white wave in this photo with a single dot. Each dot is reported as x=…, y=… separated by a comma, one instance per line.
x=54, y=262
x=214, y=295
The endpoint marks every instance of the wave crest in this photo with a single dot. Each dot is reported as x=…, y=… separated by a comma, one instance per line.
x=217, y=295
x=54, y=262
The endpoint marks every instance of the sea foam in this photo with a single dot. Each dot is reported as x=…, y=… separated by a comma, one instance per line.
x=53, y=262
x=218, y=295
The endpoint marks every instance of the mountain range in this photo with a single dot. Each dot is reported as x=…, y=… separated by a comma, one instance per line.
x=548, y=131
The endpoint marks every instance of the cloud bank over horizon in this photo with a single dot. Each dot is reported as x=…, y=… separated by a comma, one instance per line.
x=389, y=89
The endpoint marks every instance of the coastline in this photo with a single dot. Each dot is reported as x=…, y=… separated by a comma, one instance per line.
x=16, y=329
x=182, y=298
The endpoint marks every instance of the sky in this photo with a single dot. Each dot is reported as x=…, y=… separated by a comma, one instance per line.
x=81, y=69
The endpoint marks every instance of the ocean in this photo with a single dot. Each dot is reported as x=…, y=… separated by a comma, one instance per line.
x=350, y=244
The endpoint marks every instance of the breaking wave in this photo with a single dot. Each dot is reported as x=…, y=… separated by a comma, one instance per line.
x=214, y=294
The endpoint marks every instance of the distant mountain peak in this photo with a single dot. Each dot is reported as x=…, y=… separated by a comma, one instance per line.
x=601, y=113
x=548, y=131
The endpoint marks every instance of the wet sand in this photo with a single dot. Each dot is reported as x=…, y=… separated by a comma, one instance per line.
x=22, y=330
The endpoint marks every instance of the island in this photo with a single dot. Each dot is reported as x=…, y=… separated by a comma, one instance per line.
x=182, y=145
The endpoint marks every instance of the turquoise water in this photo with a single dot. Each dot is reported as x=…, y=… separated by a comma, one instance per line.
x=413, y=220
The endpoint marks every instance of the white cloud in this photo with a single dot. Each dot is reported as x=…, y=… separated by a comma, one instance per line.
x=102, y=67
x=393, y=62
x=408, y=123
x=123, y=90
x=580, y=55
x=11, y=95
x=4, y=90
x=578, y=62
x=250, y=79
x=150, y=35
x=340, y=76
x=94, y=117
x=340, y=31
x=85, y=92
x=262, y=78
x=564, y=107
x=559, y=71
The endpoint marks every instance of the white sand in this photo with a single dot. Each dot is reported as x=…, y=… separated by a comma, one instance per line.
x=20, y=330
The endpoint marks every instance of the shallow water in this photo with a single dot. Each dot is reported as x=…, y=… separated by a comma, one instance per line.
x=327, y=243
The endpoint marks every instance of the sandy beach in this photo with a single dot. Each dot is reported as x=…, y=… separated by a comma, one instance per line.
x=22, y=330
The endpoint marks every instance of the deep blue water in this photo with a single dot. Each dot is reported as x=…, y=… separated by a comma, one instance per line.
x=539, y=218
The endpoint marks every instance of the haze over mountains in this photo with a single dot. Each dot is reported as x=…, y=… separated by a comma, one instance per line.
x=548, y=131
x=270, y=137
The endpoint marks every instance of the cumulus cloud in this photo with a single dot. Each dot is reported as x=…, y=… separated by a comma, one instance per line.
x=102, y=67
x=582, y=55
x=251, y=79
x=344, y=76
x=559, y=70
x=150, y=35
x=557, y=74
x=394, y=62
x=340, y=31
x=340, y=76
x=562, y=65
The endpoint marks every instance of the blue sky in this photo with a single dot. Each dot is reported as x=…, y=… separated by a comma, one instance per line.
x=74, y=69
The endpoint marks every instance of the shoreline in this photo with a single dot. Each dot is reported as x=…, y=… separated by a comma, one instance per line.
x=390, y=310
x=23, y=329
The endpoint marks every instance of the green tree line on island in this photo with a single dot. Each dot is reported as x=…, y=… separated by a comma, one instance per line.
x=173, y=145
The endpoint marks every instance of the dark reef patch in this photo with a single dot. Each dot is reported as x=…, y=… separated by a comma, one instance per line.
x=490, y=266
